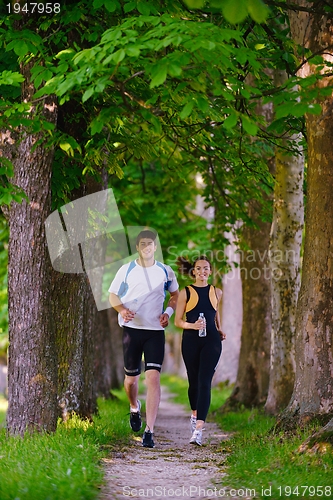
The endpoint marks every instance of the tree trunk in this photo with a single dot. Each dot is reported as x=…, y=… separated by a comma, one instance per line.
x=74, y=308
x=32, y=374
x=109, y=365
x=285, y=250
x=231, y=316
x=74, y=327
x=117, y=359
x=251, y=385
x=313, y=390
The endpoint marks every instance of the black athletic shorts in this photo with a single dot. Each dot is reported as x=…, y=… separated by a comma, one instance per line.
x=136, y=342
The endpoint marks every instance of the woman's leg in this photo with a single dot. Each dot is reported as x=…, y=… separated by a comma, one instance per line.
x=209, y=358
x=191, y=356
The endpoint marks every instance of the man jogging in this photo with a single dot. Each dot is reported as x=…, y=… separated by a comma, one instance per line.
x=138, y=294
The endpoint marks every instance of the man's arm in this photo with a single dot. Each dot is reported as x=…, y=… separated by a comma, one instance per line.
x=164, y=318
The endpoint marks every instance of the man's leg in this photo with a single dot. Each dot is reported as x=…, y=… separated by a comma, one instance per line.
x=131, y=385
x=153, y=397
x=132, y=366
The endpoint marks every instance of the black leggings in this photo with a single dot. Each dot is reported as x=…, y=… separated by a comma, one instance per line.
x=201, y=356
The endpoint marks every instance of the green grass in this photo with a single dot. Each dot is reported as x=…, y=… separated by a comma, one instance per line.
x=260, y=461
x=178, y=387
x=66, y=464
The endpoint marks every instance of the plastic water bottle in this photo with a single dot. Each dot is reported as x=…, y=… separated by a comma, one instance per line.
x=202, y=332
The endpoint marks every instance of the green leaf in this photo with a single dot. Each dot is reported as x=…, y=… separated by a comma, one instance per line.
x=133, y=51
x=234, y=11
x=118, y=56
x=231, y=121
x=143, y=8
x=64, y=53
x=129, y=7
x=159, y=77
x=21, y=49
x=257, y=10
x=111, y=5
x=284, y=110
x=203, y=104
x=6, y=198
x=187, y=110
x=195, y=4
x=88, y=93
x=96, y=126
x=249, y=127
x=98, y=3
x=11, y=78
x=65, y=146
x=314, y=109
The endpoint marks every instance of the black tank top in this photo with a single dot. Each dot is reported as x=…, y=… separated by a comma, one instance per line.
x=201, y=299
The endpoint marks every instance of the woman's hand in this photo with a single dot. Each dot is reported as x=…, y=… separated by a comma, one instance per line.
x=200, y=324
x=222, y=335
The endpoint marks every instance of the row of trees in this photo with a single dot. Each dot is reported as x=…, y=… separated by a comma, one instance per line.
x=130, y=93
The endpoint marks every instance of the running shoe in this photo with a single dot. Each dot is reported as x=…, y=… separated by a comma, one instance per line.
x=196, y=437
x=135, y=418
x=147, y=440
x=193, y=423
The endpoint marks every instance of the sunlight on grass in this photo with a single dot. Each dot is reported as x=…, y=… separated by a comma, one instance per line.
x=64, y=464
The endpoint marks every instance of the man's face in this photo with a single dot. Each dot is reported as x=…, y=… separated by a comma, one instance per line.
x=146, y=248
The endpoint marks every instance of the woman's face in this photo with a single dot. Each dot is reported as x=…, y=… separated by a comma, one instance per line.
x=202, y=270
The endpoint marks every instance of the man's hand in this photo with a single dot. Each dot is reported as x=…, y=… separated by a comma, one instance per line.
x=127, y=315
x=164, y=320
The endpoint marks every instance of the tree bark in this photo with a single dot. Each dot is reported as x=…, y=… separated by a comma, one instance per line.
x=285, y=252
x=73, y=306
x=74, y=327
x=313, y=390
x=32, y=361
x=109, y=365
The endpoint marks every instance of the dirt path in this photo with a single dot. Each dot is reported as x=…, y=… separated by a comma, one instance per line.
x=174, y=468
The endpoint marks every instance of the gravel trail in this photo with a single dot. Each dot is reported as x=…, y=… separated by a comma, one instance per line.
x=174, y=468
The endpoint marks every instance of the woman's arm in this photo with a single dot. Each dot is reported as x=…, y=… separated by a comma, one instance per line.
x=180, y=311
x=219, y=312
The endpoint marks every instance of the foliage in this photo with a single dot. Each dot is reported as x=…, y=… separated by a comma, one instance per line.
x=165, y=84
x=234, y=12
x=65, y=464
x=151, y=82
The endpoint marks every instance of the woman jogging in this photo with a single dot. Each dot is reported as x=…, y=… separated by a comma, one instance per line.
x=201, y=342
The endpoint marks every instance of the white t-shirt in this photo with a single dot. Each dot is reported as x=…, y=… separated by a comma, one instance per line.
x=142, y=290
